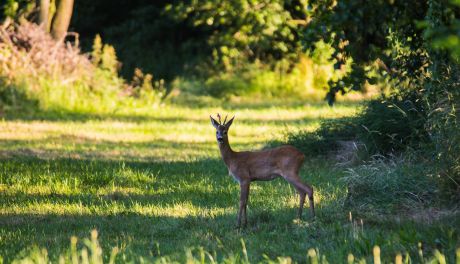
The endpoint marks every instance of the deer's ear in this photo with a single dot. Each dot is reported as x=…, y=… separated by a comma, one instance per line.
x=214, y=122
x=229, y=123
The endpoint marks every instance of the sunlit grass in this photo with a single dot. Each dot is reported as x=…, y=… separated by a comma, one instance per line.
x=153, y=136
x=154, y=177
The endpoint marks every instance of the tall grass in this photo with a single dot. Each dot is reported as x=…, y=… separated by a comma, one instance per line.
x=326, y=138
x=400, y=143
x=386, y=125
x=391, y=185
x=39, y=74
x=90, y=252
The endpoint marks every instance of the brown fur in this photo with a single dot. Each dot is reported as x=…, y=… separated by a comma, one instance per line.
x=263, y=165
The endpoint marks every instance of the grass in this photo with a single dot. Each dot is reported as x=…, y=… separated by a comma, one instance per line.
x=152, y=183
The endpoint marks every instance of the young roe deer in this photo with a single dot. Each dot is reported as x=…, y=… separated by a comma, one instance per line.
x=263, y=165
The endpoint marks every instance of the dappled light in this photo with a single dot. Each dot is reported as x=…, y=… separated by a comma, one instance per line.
x=236, y=131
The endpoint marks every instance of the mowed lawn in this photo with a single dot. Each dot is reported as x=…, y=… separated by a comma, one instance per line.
x=153, y=184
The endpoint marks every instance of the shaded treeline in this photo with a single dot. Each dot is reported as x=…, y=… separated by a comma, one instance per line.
x=169, y=38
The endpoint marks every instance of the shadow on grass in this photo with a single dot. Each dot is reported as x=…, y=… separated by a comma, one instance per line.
x=132, y=118
x=175, y=205
x=97, y=149
x=152, y=236
x=132, y=220
x=84, y=148
x=203, y=183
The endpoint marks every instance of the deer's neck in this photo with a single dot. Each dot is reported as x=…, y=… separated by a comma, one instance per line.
x=226, y=152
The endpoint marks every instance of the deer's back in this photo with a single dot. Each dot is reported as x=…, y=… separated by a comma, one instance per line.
x=269, y=163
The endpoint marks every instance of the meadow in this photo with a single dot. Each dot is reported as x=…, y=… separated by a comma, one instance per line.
x=152, y=183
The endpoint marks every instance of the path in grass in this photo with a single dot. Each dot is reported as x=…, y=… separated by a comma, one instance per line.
x=152, y=183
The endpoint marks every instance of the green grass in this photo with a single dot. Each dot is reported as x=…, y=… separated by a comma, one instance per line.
x=152, y=183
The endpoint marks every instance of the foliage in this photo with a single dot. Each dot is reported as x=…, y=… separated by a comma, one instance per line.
x=104, y=56
x=259, y=80
x=214, y=42
x=392, y=124
x=369, y=34
x=326, y=138
x=143, y=86
x=39, y=73
x=416, y=52
x=307, y=79
x=442, y=94
x=443, y=128
x=10, y=8
x=53, y=16
x=442, y=28
x=387, y=125
x=253, y=30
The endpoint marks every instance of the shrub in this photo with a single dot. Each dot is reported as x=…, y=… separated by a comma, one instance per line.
x=38, y=73
x=255, y=79
x=386, y=125
x=308, y=78
x=392, y=124
x=443, y=128
x=326, y=138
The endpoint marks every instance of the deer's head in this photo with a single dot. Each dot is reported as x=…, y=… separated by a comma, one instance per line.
x=221, y=128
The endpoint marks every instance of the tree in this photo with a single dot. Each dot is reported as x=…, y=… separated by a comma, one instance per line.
x=43, y=7
x=241, y=31
x=55, y=18
x=381, y=32
x=61, y=19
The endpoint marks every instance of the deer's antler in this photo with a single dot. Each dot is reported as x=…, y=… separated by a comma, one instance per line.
x=220, y=121
x=225, y=120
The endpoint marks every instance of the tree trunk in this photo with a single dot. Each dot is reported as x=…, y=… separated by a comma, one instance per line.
x=61, y=20
x=43, y=7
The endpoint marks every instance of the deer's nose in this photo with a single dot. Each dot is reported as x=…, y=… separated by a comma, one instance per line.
x=220, y=138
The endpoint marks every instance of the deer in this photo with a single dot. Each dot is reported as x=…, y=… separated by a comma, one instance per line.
x=263, y=165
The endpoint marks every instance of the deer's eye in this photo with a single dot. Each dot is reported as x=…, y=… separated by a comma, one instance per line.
x=225, y=132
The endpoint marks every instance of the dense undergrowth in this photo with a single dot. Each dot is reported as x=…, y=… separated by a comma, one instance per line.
x=306, y=79
x=405, y=161
x=406, y=140
x=386, y=125
x=39, y=74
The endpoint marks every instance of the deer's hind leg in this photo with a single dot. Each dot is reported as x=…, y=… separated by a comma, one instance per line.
x=303, y=189
x=302, y=202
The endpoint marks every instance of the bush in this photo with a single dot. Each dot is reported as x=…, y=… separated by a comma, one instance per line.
x=392, y=124
x=306, y=79
x=261, y=81
x=326, y=138
x=386, y=125
x=443, y=128
x=38, y=73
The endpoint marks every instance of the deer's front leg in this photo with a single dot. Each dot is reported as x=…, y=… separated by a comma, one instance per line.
x=244, y=194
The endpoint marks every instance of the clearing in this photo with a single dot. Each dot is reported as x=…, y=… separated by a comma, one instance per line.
x=153, y=184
